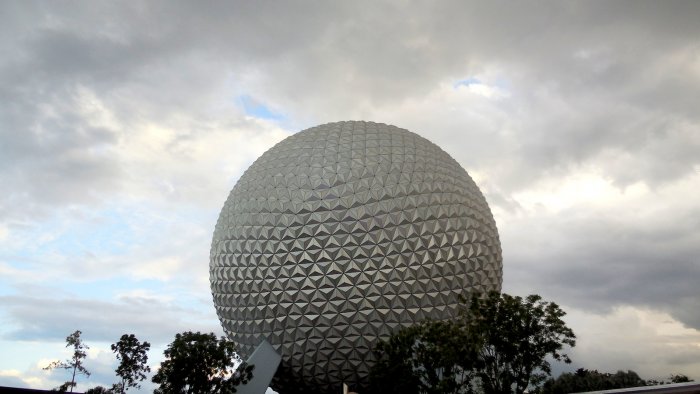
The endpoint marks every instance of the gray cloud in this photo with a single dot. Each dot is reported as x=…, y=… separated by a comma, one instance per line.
x=112, y=104
x=601, y=263
x=587, y=79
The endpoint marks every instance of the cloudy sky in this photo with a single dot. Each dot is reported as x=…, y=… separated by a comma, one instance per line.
x=124, y=125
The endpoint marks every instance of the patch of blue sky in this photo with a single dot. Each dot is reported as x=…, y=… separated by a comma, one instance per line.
x=195, y=215
x=25, y=353
x=6, y=289
x=497, y=82
x=466, y=82
x=110, y=233
x=111, y=289
x=257, y=109
x=501, y=83
x=107, y=289
x=102, y=232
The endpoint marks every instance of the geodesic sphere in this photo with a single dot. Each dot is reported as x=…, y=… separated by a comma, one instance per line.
x=339, y=235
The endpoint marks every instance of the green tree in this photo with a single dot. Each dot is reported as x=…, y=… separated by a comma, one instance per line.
x=627, y=379
x=133, y=357
x=75, y=363
x=673, y=378
x=517, y=335
x=500, y=344
x=431, y=357
x=679, y=378
x=586, y=380
x=197, y=363
x=99, y=390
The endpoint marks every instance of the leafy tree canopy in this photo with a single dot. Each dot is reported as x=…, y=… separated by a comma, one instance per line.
x=197, y=363
x=75, y=363
x=517, y=335
x=99, y=390
x=586, y=380
x=133, y=358
x=432, y=357
x=672, y=378
x=499, y=345
x=679, y=378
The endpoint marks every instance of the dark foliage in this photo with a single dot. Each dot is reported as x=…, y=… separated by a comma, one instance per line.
x=499, y=345
x=516, y=337
x=432, y=357
x=586, y=380
x=75, y=363
x=679, y=378
x=99, y=390
x=133, y=358
x=197, y=363
x=673, y=378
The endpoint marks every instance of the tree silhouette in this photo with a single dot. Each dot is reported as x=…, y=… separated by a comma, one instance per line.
x=197, y=363
x=431, y=357
x=591, y=380
x=75, y=363
x=499, y=344
x=517, y=335
x=99, y=390
x=132, y=356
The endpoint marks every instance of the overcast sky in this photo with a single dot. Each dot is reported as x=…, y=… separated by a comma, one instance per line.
x=124, y=125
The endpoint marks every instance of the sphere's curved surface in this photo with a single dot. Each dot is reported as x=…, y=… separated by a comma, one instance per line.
x=340, y=234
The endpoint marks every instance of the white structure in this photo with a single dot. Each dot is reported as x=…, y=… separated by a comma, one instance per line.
x=339, y=235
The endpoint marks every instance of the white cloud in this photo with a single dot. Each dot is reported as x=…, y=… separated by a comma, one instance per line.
x=585, y=189
x=121, y=139
x=27, y=379
x=649, y=342
x=482, y=89
x=100, y=362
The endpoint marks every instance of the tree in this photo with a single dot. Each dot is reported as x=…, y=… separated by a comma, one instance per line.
x=132, y=356
x=431, y=357
x=75, y=363
x=516, y=335
x=679, y=378
x=499, y=343
x=197, y=363
x=673, y=378
x=585, y=380
x=99, y=390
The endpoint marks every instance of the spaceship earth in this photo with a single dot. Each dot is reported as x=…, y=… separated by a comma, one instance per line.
x=339, y=235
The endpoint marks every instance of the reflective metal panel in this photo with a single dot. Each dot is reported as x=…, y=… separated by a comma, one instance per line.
x=339, y=235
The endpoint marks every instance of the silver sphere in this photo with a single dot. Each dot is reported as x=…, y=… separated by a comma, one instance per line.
x=338, y=236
